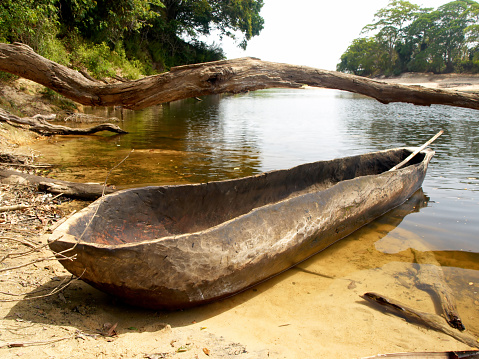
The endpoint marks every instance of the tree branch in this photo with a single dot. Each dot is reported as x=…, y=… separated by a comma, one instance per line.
x=232, y=76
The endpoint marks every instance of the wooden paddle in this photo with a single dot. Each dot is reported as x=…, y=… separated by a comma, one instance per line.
x=417, y=151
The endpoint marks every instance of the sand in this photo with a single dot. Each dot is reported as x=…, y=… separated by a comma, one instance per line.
x=311, y=311
x=457, y=82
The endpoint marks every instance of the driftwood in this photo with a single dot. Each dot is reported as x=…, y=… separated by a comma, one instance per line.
x=431, y=278
x=32, y=343
x=40, y=125
x=78, y=190
x=15, y=207
x=11, y=159
x=88, y=118
x=433, y=321
x=232, y=76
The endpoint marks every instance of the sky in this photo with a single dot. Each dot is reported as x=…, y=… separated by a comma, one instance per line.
x=311, y=32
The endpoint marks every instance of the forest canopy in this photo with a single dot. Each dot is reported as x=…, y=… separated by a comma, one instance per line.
x=407, y=38
x=133, y=37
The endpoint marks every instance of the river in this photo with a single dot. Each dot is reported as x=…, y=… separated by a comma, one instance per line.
x=230, y=136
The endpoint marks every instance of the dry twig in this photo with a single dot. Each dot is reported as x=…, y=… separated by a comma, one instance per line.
x=54, y=291
x=13, y=208
x=31, y=343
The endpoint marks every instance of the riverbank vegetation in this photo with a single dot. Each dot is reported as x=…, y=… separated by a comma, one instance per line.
x=127, y=38
x=407, y=38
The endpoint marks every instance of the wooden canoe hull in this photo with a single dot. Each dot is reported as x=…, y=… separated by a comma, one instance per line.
x=172, y=247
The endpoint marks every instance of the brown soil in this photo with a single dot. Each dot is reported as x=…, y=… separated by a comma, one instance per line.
x=311, y=311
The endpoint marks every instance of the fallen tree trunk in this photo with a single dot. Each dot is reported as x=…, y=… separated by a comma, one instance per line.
x=39, y=125
x=232, y=76
x=431, y=277
x=429, y=320
x=86, y=191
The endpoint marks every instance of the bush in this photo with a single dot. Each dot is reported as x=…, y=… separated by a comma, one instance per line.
x=94, y=57
x=468, y=66
x=101, y=61
x=28, y=21
x=55, y=50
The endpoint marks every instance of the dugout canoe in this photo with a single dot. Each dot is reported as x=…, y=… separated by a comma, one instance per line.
x=172, y=247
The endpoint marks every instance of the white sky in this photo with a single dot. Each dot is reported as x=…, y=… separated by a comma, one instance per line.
x=311, y=32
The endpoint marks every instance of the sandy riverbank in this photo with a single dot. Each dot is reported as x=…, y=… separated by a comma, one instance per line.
x=458, y=82
x=312, y=311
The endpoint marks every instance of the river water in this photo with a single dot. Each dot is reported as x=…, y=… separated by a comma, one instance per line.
x=224, y=137
x=230, y=136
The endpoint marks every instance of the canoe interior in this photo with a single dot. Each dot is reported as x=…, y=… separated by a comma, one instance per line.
x=148, y=213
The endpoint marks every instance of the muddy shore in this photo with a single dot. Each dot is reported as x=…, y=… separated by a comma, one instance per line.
x=312, y=311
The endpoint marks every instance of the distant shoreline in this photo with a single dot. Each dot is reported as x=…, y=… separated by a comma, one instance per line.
x=459, y=82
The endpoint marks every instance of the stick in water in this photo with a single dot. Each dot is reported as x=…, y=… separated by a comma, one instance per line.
x=429, y=320
x=417, y=151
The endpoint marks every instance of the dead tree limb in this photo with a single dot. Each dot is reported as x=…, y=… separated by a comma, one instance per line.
x=13, y=208
x=431, y=277
x=78, y=190
x=31, y=343
x=231, y=76
x=433, y=321
x=39, y=125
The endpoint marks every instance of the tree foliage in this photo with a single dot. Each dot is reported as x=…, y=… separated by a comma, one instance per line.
x=28, y=21
x=104, y=20
x=410, y=38
x=194, y=18
x=146, y=35
x=360, y=57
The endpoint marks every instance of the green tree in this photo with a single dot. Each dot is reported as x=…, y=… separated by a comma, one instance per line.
x=410, y=38
x=472, y=41
x=229, y=17
x=28, y=21
x=452, y=21
x=105, y=20
x=440, y=37
x=472, y=31
x=176, y=35
x=389, y=26
x=363, y=57
x=416, y=42
x=164, y=33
